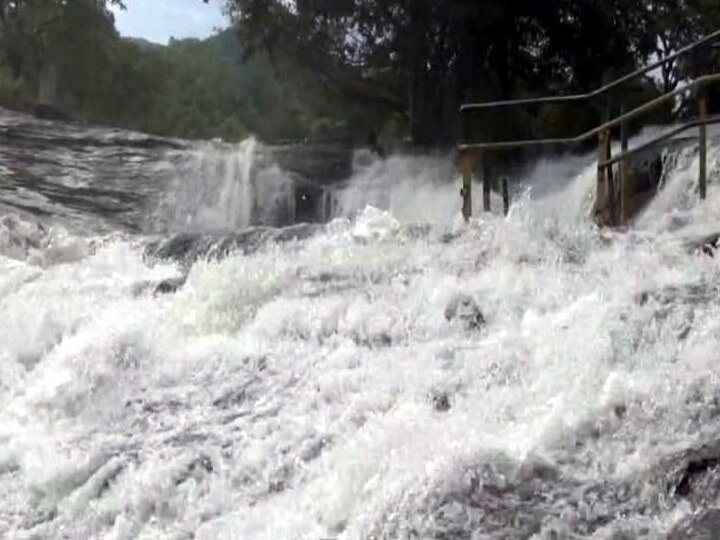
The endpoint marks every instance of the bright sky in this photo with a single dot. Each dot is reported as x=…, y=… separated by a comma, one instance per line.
x=159, y=20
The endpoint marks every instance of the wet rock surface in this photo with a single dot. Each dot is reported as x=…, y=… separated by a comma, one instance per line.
x=170, y=286
x=96, y=179
x=92, y=179
x=704, y=525
x=186, y=248
x=697, y=473
x=324, y=163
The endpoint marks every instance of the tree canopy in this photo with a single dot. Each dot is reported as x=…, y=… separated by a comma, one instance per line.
x=422, y=58
x=356, y=69
x=69, y=54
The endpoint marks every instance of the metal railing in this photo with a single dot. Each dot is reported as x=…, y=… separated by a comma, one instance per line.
x=471, y=152
x=600, y=91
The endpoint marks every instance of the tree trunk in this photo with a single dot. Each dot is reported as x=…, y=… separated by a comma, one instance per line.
x=47, y=83
x=427, y=126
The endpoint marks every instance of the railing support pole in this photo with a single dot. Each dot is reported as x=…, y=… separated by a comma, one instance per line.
x=609, y=175
x=703, y=111
x=505, y=196
x=610, y=183
x=467, y=165
x=604, y=190
x=626, y=187
x=486, y=189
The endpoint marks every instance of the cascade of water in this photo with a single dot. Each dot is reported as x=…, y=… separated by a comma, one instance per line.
x=212, y=189
x=235, y=200
x=521, y=376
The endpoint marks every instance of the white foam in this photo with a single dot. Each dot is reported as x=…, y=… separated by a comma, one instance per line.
x=293, y=393
x=213, y=189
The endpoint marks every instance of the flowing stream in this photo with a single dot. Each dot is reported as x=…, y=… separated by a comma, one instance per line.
x=394, y=373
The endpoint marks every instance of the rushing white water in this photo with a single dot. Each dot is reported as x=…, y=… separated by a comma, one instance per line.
x=316, y=389
x=212, y=189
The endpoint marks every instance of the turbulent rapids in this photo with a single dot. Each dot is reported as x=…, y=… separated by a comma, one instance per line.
x=175, y=365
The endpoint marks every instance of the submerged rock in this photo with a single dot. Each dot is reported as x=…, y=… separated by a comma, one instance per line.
x=196, y=469
x=705, y=524
x=186, y=248
x=169, y=286
x=464, y=308
x=699, y=467
x=709, y=250
x=166, y=286
x=448, y=238
x=301, y=231
x=440, y=401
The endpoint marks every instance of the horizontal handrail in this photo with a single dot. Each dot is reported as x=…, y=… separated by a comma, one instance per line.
x=595, y=93
x=507, y=145
x=710, y=120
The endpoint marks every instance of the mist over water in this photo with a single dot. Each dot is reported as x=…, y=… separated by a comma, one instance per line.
x=324, y=388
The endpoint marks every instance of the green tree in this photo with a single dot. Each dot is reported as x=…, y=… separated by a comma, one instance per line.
x=422, y=58
x=32, y=30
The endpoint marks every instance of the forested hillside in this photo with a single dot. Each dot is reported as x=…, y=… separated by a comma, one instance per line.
x=356, y=69
x=70, y=55
x=423, y=58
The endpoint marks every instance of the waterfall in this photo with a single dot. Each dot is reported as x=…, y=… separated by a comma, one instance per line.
x=212, y=189
x=520, y=376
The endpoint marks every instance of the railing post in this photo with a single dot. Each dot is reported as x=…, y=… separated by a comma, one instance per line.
x=467, y=165
x=610, y=183
x=609, y=177
x=703, y=111
x=486, y=188
x=626, y=187
x=603, y=191
x=505, y=195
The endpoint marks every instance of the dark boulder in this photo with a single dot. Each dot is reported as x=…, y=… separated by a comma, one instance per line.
x=186, y=248
x=48, y=111
x=166, y=286
x=697, y=474
x=464, y=308
x=170, y=286
x=440, y=401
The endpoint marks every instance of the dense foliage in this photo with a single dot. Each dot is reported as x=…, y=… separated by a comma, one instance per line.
x=356, y=69
x=422, y=58
x=69, y=54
